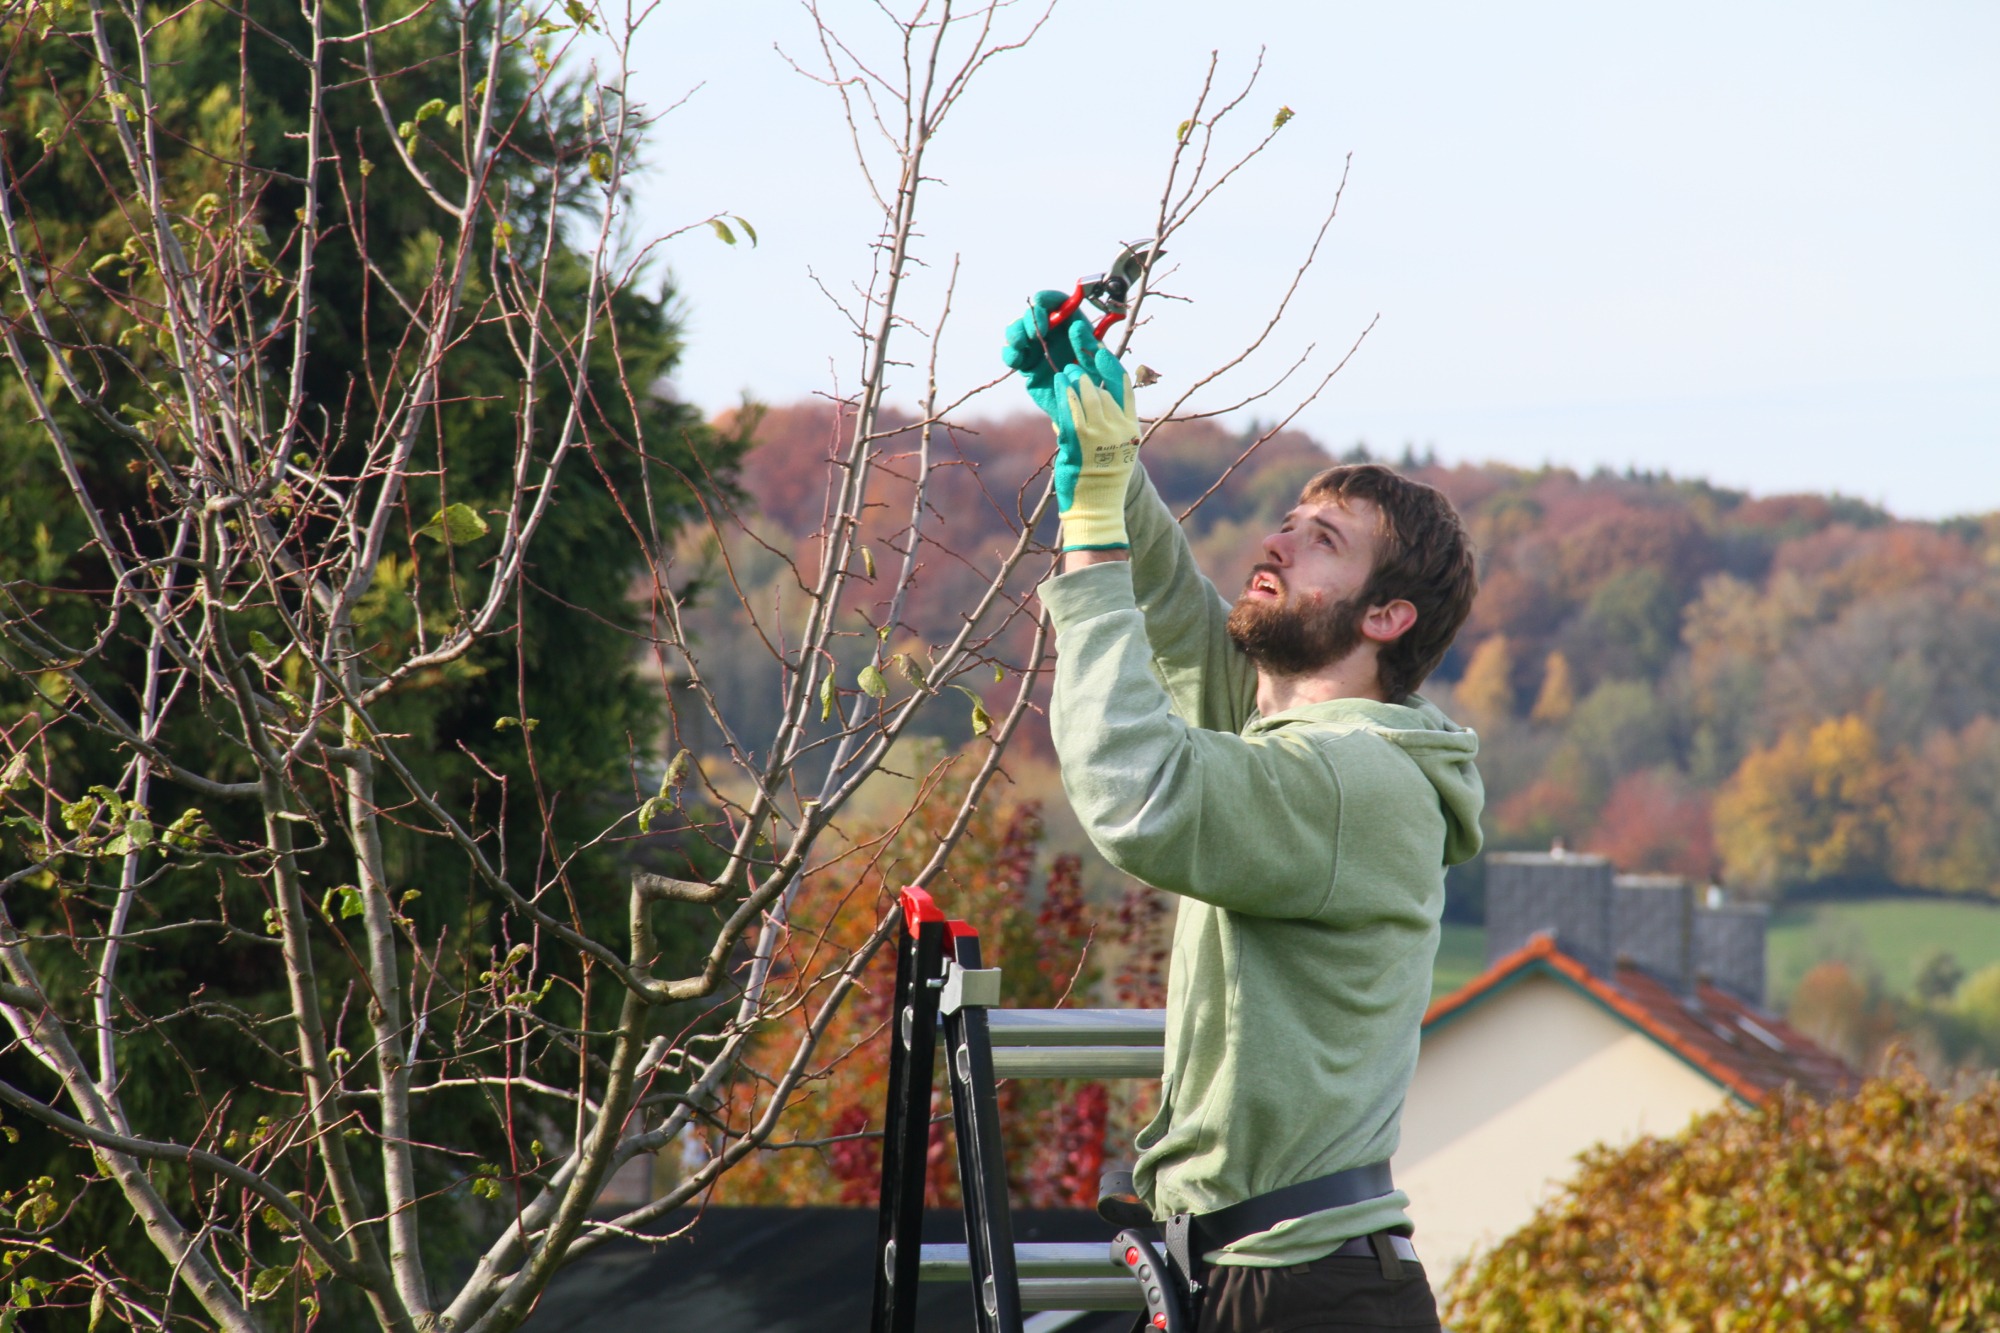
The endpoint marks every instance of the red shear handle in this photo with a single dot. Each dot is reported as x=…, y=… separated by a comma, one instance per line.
x=1069, y=307
x=1066, y=309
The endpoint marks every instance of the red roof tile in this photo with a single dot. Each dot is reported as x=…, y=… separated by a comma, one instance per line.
x=1742, y=1048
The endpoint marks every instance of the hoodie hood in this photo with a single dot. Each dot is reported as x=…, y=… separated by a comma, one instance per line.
x=1443, y=751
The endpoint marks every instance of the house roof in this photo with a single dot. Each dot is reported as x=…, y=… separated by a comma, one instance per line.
x=778, y=1270
x=1745, y=1050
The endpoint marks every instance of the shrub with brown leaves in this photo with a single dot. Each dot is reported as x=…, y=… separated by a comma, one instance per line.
x=1880, y=1212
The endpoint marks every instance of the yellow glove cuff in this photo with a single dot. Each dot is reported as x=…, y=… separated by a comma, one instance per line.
x=1107, y=434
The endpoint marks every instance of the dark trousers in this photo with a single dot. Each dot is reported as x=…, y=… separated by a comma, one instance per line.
x=1331, y=1295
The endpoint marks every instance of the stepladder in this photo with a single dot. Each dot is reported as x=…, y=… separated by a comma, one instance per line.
x=947, y=1004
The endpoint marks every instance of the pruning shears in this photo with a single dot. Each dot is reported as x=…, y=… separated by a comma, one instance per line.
x=1108, y=290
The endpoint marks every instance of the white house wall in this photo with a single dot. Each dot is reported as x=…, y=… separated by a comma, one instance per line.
x=1508, y=1093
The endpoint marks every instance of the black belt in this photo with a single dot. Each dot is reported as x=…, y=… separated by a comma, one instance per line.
x=1261, y=1212
x=1191, y=1235
x=1173, y=1298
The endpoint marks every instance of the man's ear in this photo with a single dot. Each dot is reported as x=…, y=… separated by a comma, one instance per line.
x=1388, y=622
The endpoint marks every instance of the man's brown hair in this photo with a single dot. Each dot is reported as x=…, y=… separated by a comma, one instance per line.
x=1423, y=556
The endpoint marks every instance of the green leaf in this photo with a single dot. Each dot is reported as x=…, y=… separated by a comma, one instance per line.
x=676, y=771
x=982, y=721
x=265, y=1285
x=826, y=697
x=1285, y=113
x=455, y=117
x=579, y=14
x=76, y=816
x=748, y=230
x=434, y=107
x=139, y=832
x=1181, y=134
x=868, y=562
x=871, y=682
x=457, y=523
x=722, y=230
x=999, y=673
x=347, y=896
x=15, y=776
x=97, y=1307
x=53, y=686
x=262, y=646
x=600, y=166
x=654, y=805
x=187, y=831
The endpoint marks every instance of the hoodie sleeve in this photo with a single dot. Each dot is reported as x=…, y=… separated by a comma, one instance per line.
x=1209, y=680
x=1251, y=824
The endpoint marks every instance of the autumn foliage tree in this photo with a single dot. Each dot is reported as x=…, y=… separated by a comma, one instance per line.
x=1035, y=925
x=1880, y=1212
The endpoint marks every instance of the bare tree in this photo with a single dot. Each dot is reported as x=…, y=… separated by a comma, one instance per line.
x=275, y=567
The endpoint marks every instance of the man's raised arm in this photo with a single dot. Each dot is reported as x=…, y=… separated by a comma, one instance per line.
x=1110, y=512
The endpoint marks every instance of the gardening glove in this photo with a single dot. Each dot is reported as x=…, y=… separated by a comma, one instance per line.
x=1087, y=395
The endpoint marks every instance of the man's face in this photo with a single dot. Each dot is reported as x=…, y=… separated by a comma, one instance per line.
x=1302, y=607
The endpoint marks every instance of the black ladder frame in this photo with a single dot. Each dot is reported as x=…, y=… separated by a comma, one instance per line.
x=940, y=982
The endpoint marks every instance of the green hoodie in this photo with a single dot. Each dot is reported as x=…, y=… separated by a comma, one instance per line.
x=1310, y=848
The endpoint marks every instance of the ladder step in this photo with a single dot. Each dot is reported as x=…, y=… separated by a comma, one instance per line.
x=1081, y=1293
x=1054, y=1276
x=1077, y=1027
x=953, y=1263
x=1078, y=1061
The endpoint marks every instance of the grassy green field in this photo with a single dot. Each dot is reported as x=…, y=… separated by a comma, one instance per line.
x=1461, y=957
x=1889, y=936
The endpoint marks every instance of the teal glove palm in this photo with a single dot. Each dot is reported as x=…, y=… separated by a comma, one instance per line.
x=1086, y=394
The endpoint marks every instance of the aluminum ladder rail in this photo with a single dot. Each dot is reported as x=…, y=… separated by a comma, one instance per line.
x=940, y=983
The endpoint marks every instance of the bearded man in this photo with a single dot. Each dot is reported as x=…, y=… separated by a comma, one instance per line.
x=1271, y=764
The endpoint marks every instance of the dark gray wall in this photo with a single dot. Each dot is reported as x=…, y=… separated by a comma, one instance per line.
x=1656, y=922
x=1652, y=925
x=1729, y=949
x=1528, y=893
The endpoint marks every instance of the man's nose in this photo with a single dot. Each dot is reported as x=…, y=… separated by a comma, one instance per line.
x=1277, y=549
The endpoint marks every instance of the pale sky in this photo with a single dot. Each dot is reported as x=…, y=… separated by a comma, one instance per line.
x=1749, y=242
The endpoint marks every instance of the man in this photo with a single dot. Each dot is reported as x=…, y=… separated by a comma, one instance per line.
x=1270, y=763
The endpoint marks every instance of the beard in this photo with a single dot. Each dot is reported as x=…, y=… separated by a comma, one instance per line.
x=1287, y=637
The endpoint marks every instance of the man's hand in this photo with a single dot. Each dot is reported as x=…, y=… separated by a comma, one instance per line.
x=1086, y=393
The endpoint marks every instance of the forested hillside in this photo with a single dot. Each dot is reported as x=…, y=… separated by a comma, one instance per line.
x=1773, y=691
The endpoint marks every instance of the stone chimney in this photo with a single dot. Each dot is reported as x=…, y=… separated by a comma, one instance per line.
x=1658, y=923
x=1729, y=946
x=1565, y=894
x=1652, y=926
